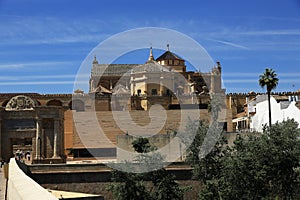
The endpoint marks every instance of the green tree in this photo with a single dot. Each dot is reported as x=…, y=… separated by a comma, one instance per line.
x=270, y=80
x=244, y=171
x=284, y=153
x=141, y=145
x=128, y=186
x=261, y=166
x=133, y=186
x=165, y=187
x=207, y=162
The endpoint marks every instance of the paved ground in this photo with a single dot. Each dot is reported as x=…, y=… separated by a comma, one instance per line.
x=2, y=184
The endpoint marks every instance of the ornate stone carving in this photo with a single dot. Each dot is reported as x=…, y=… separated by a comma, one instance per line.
x=20, y=102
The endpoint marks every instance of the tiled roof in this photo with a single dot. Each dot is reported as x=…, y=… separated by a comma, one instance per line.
x=150, y=66
x=168, y=55
x=111, y=69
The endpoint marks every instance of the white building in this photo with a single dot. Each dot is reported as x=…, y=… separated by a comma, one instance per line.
x=280, y=110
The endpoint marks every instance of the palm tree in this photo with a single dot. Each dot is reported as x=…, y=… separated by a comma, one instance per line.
x=269, y=79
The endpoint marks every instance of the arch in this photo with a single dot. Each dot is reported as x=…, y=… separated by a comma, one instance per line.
x=5, y=103
x=20, y=102
x=77, y=105
x=54, y=102
x=38, y=103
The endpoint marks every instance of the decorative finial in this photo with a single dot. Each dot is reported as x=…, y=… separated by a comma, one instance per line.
x=168, y=47
x=95, y=60
x=151, y=57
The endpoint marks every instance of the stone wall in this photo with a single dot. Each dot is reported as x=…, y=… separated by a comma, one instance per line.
x=94, y=178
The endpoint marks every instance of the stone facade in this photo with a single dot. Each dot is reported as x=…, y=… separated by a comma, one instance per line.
x=62, y=107
x=164, y=76
x=25, y=126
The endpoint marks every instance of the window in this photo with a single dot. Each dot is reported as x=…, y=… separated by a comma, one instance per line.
x=168, y=93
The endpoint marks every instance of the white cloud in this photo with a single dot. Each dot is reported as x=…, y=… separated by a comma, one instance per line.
x=245, y=74
x=34, y=77
x=292, y=81
x=40, y=83
x=230, y=44
x=270, y=32
x=22, y=65
x=28, y=30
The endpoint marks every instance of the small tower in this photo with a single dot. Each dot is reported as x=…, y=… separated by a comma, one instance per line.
x=219, y=67
x=173, y=61
x=93, y=81
x=215, y=81
x=95, y=61
x=151, y=57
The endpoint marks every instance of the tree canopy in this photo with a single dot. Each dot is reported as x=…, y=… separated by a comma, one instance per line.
x=261, y=166
x=153, y=185
x=268, y=79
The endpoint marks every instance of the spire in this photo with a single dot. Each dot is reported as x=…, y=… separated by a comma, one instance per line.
x=168, y=47
x=151, y=58
x=95, y=60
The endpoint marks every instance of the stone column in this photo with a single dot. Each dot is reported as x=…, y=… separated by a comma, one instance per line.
x=161, y=86
x=42, y=147
x=132, y=85
x=61, y=137
x=56, y=139
x=38, y=139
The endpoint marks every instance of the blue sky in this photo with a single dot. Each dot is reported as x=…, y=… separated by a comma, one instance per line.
x=43, y=43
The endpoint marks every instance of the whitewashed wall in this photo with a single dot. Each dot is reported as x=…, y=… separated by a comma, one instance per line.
x=21, y=187
x=278, y=114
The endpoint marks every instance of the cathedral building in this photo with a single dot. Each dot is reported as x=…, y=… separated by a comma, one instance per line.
x=43, y=123
x=162, y=78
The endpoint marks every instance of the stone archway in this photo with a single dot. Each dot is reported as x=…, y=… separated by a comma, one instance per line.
x=54, y=102
x=41, y=127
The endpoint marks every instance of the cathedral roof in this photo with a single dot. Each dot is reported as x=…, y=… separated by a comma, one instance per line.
x=112, y=69
x=168, y=55
x=150, y=66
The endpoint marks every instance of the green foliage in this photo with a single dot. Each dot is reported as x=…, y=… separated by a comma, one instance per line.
x=262, y=166
x=161, y=184
x=166, y=188
x=128, y=186
x=268, y=79
x=141, y=145
x=198, y=129
x=284, y=150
